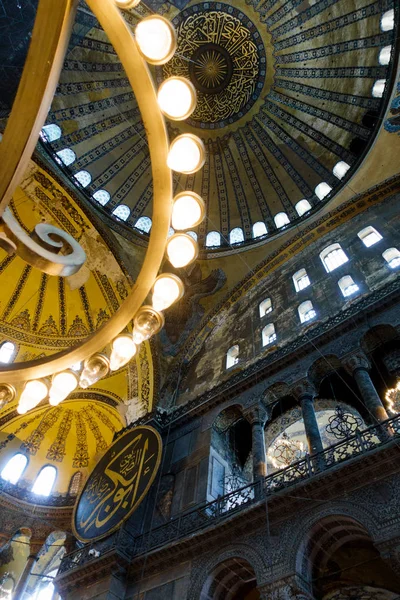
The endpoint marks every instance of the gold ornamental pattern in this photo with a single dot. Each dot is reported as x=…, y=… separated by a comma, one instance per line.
x=223, y=59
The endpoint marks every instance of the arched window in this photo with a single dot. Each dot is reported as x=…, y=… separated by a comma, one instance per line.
x=322, y=190
x=265, y=307
x=302, y=207
x=236, y=236
x=7, y=352
x=143, y=224
x=192, y=234
x=84, y=178
x=268, y=334
x=232, y=356
x=340, y=169
x=392, y=257
x=385, y=55
x=44, y=481
x=67, y=156
x=51, y=133
x=122, y=212
x=369, y=236
x=387, y=20
x=213, y=239
x=301, y=280
x=378, y=88
x=102, y=197
x=14, y=468
x=348, y=286
x=75, y=483
x=332, y=257
x=259, y=229
x=281, y=219
x=306, y=311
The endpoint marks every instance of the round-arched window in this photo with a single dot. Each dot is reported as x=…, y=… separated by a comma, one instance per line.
x=44, y=482
x=122, y=212
x=14, y=468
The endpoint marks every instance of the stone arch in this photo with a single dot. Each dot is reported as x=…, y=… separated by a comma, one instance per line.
x=241, y=553
x=275, y=392
x=303, y=534
x=228, y=416
x=322, y=367
x=378, y=336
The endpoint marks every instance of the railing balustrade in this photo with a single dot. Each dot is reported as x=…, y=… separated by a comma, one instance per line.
x=211, y=513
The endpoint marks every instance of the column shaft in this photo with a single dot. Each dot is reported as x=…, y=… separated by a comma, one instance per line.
x=23, y=580
x=311, y=425
x=369, y=395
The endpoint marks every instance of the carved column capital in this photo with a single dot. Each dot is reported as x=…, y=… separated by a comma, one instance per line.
x=256, y=414
x=284, y=589
x=303, y=388
x=356, y=361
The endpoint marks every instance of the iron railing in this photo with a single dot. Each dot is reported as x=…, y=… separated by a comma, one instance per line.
x=211, y=513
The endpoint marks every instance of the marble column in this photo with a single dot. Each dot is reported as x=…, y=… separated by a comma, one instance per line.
x=358, y=366
x=33, y=557
x=305, y=393
x=257, y=416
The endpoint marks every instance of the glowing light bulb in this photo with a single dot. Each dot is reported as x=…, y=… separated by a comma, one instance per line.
x=187, y=211
x=186, y=154
x=95, y=367
x=34, y=392
x=181, y=249
x=146, y=323
x=61, y=386
x=156, y=39
x=125, y=4
x=177, y=98
x=167, y=289
x=123, y=349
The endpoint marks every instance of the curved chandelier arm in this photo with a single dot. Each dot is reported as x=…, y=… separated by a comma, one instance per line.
x=142, y=84
x=50, y=37
x=41, y=249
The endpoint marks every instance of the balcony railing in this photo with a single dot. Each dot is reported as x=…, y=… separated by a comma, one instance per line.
x=211, y=513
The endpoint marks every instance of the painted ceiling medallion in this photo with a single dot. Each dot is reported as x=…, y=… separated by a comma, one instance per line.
x=222, y=53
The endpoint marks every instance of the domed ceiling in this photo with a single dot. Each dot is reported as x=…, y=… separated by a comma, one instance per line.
x=41, y=315
x=284, y=94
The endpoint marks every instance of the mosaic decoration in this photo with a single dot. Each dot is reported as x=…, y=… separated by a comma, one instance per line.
x=222, y=53
x=34, y=441
x=81, y=456
x=392, y=123
x=57, y=449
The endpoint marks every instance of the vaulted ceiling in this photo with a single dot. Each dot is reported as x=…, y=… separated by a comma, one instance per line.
x=284, y=94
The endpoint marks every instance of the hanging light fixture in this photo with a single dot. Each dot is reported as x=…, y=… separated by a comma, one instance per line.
x=34, y=392
x=188, y=210
x=156, y=39
x=186, y=154
x=177, y=98
x=62, y=385
x=125, y=4
x=7, y=393
x=167, y=289
x=96, y=367
x=123, y=349
x=182, y=249
x=146, y=323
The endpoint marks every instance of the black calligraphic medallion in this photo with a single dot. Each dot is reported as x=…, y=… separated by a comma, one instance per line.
x=118, y=484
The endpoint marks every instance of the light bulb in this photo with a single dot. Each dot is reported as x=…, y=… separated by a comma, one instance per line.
x=127, y=3
x=123, y=349
x=156, y=39
x=34, y=392
x=177, y=98
x=7, y=393
x=62, y=385
x=186, y=154
x=95, y=367
x=146, y=323
x=181, y=249
x=167, y=289
x=187, y=211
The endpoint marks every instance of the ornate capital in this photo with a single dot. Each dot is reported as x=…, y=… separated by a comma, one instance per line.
x=356, y=361
x=284, y=589
x=303, y=388
x=257, y=414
